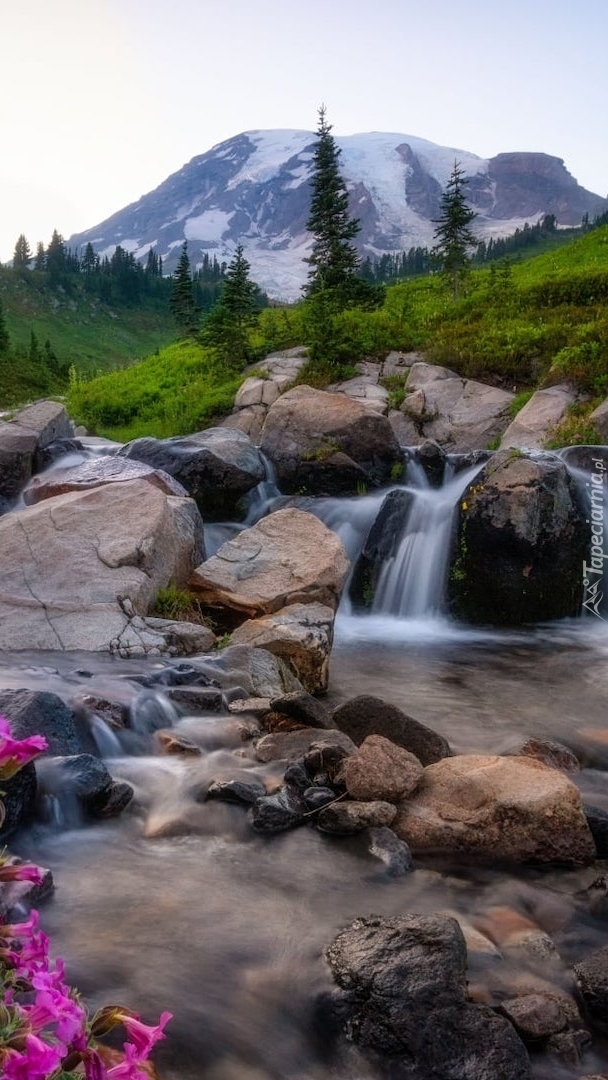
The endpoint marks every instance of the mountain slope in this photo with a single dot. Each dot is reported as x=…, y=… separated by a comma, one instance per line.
x=254, y=188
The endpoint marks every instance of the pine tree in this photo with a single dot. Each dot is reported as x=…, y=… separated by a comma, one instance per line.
x=228, y=325
x=56, y=257
x=22, y=255
x=333, y=261
x=454, y=238
x=182, y=302
x=40, y=262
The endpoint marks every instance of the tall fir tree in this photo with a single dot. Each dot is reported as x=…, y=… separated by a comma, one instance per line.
x=453, y=235
x=56, y=257
x=5, y=340
x=333, y=261
x=182, y=302
x=229, y=323
x=22, y=255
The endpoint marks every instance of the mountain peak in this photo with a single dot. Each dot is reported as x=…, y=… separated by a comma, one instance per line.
x=253, y=188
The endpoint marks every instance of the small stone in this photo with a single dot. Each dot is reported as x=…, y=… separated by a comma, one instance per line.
x=536, y=1016
x=302, y=707
x=381, y=770
x=383, y=844
x=276, y=813
x=597, y=821
x=315, y=798
x=344, y=818
x=551, y=753
x=244, y=792
x=176, y=744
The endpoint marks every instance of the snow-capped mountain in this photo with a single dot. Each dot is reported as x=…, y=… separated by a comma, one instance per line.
x=254, y=189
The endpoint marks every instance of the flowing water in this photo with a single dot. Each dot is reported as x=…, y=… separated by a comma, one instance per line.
x=178, y=905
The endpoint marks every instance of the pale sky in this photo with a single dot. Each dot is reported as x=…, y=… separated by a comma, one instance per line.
x=101, y=100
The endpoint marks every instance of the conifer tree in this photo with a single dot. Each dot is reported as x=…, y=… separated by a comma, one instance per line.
x=228, y=324
x=182, y=302
x=454, y=238
x=40, y=262
x=334, y=262
x=22, y=255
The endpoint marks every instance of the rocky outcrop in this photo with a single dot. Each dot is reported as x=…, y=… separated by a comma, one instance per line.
x=521, y=543
x=78, y=567
x=511, y=808
x=327, y=443
x=289, y=557
x=301, y=634
x=459, y=414
x=217, y=467
x=22, y=440
x=534, y=423
x=402, y=1000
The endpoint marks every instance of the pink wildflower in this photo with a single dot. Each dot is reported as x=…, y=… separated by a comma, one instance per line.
x=21, y=872
x=37, y=1062
x=130, y=1068
x=54, y=1006
x=14, y=753
x=143, y=1036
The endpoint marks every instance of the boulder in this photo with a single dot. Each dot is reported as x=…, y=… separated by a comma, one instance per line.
x=289, y=557
x=592, y=978
x=250, y=421
x=328, y=443
x=91, y=474
x=506, y=808
x=365, y=390
x=22, y=439
x=551, y=753
x=403, y=983
x=379, y=769
x=78, y=567
x=599, y=419
x=536, y=1016
x=216, y=466
x=243, y=672
x=463, y=415
x=521, y=543
x=301, y=634
x=406, y=431
x=40, y=712
x=533, y=424
x=301, y=707
x=422, y=373
x=365, y=715
x=84, y=778
x=293, y=745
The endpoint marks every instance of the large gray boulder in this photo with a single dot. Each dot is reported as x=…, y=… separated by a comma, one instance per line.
x=328, y=443
x=217, y=466
x=301, y=634
x=521, y=542
x=76, y=569
x=101, y=470
x=289, y=557
x=507, y=808
x=402, y=1001
x=544, y=411
x=24, y=437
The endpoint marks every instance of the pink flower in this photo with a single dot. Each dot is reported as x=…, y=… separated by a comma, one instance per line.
x=129, y=1069
x=94, y=1068
x=17, y=752
x=37, y=1062
x=21, y=872
x=143, y=1036
x=54, y=1006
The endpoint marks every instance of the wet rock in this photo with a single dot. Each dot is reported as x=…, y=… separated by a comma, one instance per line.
x=365, y=715
x=597, y=895
x=87, y=779
x=196, y=700
x=24, y=437
x=381, y=544
x=39, y=712
x=289, y=557
x=592, y=978
x=327, y=443
x=57, y=449
x=216, y=466
x=18, y=800
x=569, y=1047
x=380, y=769
x=509, y=808
x=301, y=634
x=257, y=706
x=345, y=818
x=117, y=800
x=296, y=777
x=536, y=1016
x=170, y=743
x=244, y=792
x=597, y=821
x=276, y=813
x=403, y=981
x=248, y=673
x=315, y=798
x=521, y=543
x=291, y=745
x=394, y=853
x=326, y=756
x=302, y=707
x=433, y=459
x=551, y=753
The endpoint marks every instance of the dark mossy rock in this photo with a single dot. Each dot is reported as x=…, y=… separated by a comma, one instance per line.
x=381, y=544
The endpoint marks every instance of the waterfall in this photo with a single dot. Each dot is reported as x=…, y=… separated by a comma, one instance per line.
x=412, y=581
